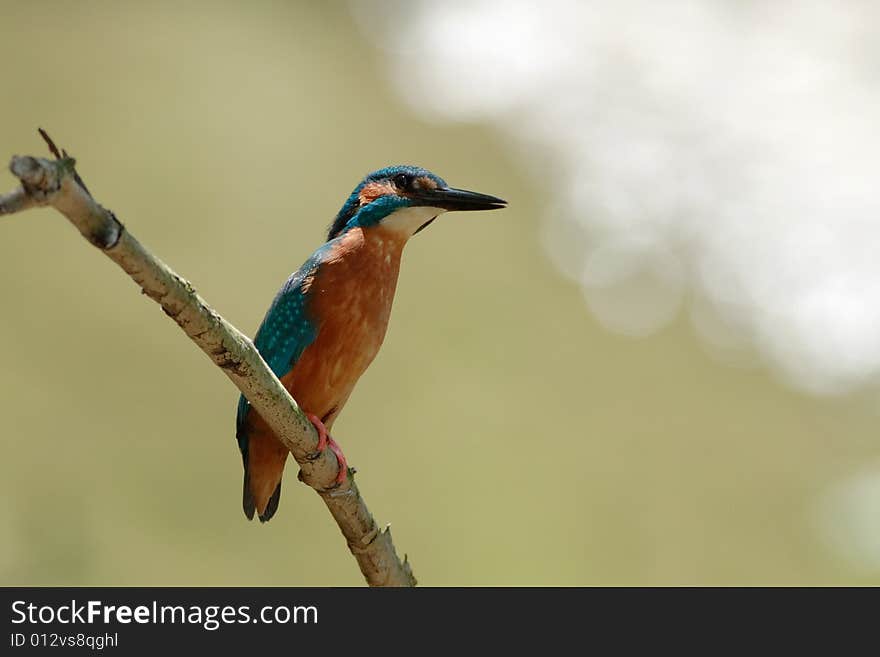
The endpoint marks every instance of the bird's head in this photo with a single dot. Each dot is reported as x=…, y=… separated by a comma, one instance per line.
x=405, y=199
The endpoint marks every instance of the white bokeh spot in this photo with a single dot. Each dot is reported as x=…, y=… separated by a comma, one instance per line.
x=727, y=152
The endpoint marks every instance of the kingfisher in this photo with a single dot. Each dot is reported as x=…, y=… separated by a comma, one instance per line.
x=327, y=322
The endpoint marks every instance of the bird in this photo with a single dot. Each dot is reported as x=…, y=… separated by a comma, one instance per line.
x=328, y=321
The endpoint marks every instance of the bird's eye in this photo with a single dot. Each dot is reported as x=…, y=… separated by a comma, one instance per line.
x=402, y=181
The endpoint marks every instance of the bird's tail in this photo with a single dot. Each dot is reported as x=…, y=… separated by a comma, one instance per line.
x=263, y=469
x=250, y=504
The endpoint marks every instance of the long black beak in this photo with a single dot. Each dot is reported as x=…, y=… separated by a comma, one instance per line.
x=458, y=199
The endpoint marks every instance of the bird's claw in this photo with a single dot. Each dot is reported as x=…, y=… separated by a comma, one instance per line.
x=322, y=432
x=325, y=440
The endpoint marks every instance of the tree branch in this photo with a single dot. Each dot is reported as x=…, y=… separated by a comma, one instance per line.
x=55, y=183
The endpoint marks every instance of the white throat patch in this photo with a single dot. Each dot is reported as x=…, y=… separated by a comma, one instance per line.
x=408, y=220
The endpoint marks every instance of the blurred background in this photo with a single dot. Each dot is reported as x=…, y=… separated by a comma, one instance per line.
x=660, y=365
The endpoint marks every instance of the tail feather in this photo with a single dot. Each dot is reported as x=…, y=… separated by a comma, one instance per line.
x=263, y=457
x=249, y=505
x=272, y=505
x=247, y=498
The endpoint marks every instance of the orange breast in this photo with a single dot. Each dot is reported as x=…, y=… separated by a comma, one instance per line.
x=350, y=297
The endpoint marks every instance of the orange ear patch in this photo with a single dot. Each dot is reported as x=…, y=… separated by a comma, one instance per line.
x=423, y=182
x=371, y=191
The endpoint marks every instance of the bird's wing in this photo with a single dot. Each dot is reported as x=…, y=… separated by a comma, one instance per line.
x=284, y=334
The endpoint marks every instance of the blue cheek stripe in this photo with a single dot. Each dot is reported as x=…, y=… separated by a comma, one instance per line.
x=373, y=213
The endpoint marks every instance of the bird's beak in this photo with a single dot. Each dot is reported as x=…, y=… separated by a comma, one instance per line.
x=458, y=199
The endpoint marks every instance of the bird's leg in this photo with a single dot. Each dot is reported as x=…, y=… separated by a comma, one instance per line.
x=325, y=440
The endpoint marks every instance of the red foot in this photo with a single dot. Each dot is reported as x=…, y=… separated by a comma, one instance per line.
x=325, y=440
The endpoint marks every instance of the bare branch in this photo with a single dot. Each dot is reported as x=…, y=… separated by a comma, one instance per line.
x=16, y=201
x=57, y=184
x=51, y=144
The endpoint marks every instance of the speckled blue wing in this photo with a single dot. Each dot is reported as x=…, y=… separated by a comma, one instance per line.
x=285, y=333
